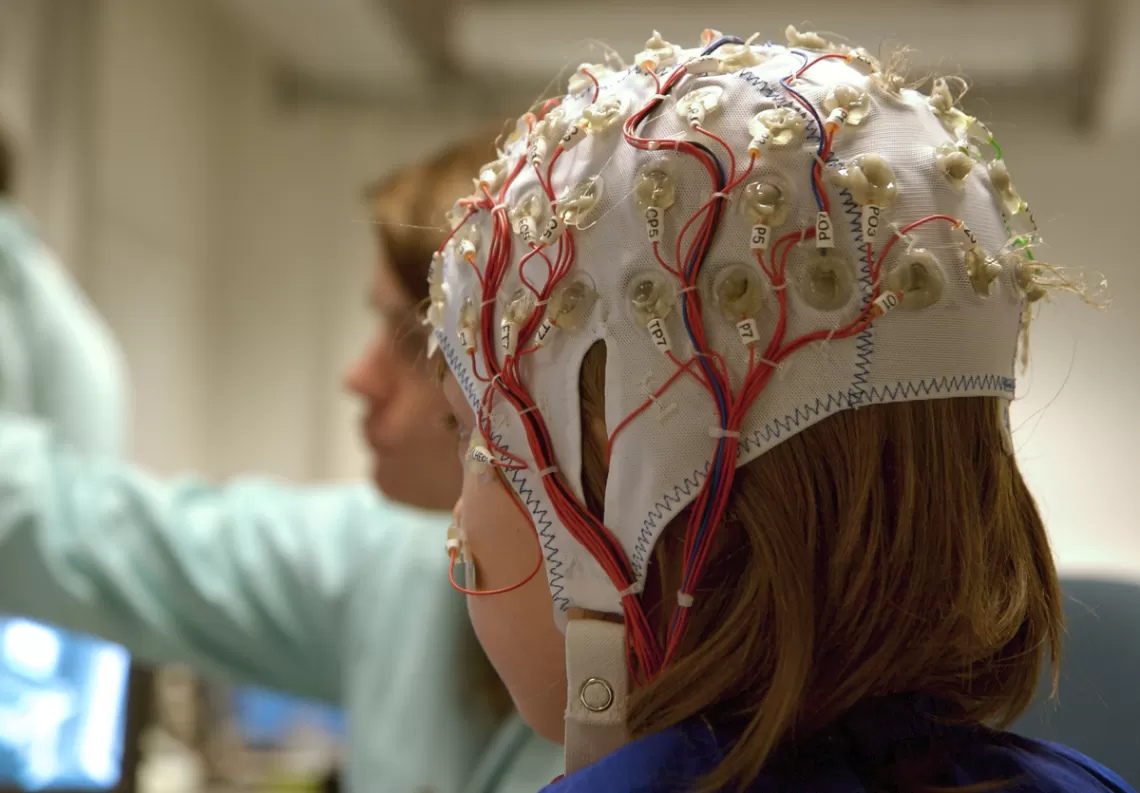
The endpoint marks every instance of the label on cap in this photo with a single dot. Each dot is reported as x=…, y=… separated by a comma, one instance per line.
x=839, y=116
x=761, y=237
x=748, y=331
x=660, y=335
x=544, y=331
x=888, y=301
x=526, y=228
x=538, y=152
x=824, y=231
x=481, y=455
x=552, y=230
x=465, y=338
x=872, y=219
x=970, y=236
x=654, y=220
x=573, y=137
x=509, y=337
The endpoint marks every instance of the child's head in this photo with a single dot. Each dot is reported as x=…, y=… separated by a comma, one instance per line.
x=733, y=331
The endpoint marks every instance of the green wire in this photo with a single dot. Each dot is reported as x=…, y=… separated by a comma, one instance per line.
x=1021, y=242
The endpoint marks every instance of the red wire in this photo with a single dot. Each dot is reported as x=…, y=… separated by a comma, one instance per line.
x=538, y=544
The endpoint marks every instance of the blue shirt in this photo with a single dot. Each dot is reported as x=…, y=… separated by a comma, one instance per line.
x=327, y=592
x=847, y=757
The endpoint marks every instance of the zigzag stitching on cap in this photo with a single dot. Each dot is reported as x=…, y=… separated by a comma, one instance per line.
x=543, y=524
x=864, y=350
x=958, y=383
x=865, y=341
x=545, y=531
x=656, y=514
x=825, y=405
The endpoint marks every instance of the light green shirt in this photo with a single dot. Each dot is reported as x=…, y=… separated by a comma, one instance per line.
x=325, y=592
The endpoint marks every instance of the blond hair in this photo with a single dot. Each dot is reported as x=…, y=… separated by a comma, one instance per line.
x=890, y=550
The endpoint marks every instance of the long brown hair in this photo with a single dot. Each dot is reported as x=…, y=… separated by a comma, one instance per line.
x=890, y=550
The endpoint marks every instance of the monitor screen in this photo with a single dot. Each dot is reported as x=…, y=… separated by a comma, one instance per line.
x=270, y=718
x=62, y=708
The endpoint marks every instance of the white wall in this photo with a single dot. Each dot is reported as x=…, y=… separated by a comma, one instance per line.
x=149, y=212
x=1079, y=430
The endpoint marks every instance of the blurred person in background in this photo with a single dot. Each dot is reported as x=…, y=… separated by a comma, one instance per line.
x=334, y=593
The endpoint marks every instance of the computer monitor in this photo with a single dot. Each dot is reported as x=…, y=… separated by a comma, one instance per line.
x=62, y=709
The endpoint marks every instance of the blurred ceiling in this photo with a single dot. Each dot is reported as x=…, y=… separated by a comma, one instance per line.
x=393, y=50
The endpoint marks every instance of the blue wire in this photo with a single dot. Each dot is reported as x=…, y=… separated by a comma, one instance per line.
x=818, y=122
x=718, y=394
x=717, y=467
x=716, y=45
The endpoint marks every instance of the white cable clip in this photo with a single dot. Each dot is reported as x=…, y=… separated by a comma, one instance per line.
x=684, y=600
x=904, y=237
x=782, y=369
x=720, y=432
x=664, y=410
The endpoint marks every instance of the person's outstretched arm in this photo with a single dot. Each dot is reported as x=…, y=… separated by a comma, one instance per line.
x=255, y=580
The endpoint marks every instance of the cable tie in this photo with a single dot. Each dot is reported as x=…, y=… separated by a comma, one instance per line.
x=545, y=472
x=780, y=287
x=541, y=303
x=770, y=364
x=693, y=288
x=635, y=588
x=720, y=432
x=720, y=194
x=531, y=409
x=684, y=600
x=489, y=301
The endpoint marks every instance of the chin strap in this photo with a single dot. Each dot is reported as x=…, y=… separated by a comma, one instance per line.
x=598, y=685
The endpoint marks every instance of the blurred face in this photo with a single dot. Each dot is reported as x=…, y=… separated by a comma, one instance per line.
x=516, y=628
x=406, y=419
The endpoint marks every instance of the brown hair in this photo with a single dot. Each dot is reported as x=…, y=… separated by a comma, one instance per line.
x=890, y=550
x=409, y=208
